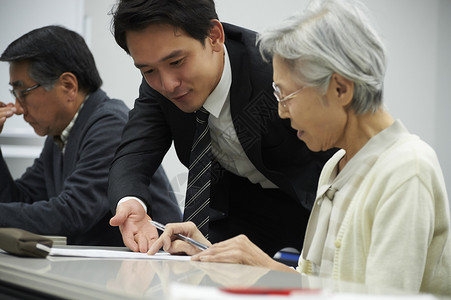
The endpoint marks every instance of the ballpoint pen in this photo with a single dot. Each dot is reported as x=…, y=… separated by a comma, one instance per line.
x=181, y=236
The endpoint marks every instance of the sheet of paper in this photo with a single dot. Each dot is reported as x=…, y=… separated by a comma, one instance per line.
x=99, y=253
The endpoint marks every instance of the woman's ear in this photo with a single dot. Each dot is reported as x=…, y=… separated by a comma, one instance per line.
x=69, y=84
x=341, y=89
x=216, y=36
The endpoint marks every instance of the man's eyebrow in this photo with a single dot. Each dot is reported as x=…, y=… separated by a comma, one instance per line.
x=171, y=55
x=17, y=83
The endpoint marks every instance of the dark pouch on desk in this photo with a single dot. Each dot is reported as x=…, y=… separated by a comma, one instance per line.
x=24, y=243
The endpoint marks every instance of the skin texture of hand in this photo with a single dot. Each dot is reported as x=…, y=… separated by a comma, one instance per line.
x=237, y=250
x=137, y=233
x=6, y=111
x=172, y=244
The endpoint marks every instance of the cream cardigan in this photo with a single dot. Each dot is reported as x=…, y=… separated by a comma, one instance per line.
x=396, y=229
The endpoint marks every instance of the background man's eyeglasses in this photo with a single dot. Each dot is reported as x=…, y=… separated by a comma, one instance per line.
x=20, y=94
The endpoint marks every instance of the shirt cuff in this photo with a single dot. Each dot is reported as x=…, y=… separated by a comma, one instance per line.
x=134, y=198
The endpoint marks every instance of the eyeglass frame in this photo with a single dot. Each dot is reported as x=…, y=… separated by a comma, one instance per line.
x=282, y=100
x=24, y=92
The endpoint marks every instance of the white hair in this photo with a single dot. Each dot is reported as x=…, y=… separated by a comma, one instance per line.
x=331, y=36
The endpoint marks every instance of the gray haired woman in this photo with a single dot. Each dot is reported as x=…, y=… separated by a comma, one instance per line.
x=381, y=216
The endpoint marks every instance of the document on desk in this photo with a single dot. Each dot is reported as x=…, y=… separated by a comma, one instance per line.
x=100, y=253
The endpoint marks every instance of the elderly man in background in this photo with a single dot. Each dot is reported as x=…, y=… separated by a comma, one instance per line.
x=56, y=85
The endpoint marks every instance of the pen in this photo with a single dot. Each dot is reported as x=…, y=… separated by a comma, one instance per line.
x=181, y=236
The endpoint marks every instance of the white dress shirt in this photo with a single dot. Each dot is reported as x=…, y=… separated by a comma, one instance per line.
x=226, y=147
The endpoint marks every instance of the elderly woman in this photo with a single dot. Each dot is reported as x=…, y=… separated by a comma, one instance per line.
x=381, y=216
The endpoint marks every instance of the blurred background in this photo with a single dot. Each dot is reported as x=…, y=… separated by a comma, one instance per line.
x=416, y=34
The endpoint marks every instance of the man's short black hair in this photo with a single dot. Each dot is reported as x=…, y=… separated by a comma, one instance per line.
x=192, y=16
x=53, y=50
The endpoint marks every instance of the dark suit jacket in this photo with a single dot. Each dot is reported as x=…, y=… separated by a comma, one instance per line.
x=269, y=142
x=67, y=195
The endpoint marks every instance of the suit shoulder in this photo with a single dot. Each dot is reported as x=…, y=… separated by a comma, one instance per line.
x=100, y=108
x=239, y=33
x=104, y=104
x=244, y=37
x=241, y=42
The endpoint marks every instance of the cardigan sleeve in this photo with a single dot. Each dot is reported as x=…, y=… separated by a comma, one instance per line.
x=401, y=233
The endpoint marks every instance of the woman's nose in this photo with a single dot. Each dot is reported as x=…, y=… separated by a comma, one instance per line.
x=283, y=112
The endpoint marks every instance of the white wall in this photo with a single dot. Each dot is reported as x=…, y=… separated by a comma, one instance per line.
x=442, y=143
x=416, y=33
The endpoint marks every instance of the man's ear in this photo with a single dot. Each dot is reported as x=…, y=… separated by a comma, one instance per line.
x=341, y=89
x=69, y=84
x=216, y=36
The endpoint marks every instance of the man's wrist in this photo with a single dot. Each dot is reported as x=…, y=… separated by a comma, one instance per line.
x=132, y=198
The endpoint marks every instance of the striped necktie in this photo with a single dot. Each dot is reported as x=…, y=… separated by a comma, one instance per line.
x=198, y=190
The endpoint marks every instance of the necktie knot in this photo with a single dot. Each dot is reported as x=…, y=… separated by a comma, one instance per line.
x=202, y=115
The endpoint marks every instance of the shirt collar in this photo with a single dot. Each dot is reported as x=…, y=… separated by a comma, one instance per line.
x=216, y=100
x=61, y=140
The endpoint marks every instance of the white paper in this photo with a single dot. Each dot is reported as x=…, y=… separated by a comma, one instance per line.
x=99, y=253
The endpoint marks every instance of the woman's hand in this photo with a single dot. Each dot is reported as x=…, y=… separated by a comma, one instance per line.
x=237, y=250
x=171, y=244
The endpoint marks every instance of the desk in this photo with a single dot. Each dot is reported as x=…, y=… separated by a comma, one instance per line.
x=92, y=278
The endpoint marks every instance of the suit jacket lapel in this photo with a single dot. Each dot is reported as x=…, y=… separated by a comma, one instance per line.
x=53, y=161
x=244, y=120
x=77, y=131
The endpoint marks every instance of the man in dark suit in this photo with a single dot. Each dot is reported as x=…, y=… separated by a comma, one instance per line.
x=57, y=89
x=263, y=179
